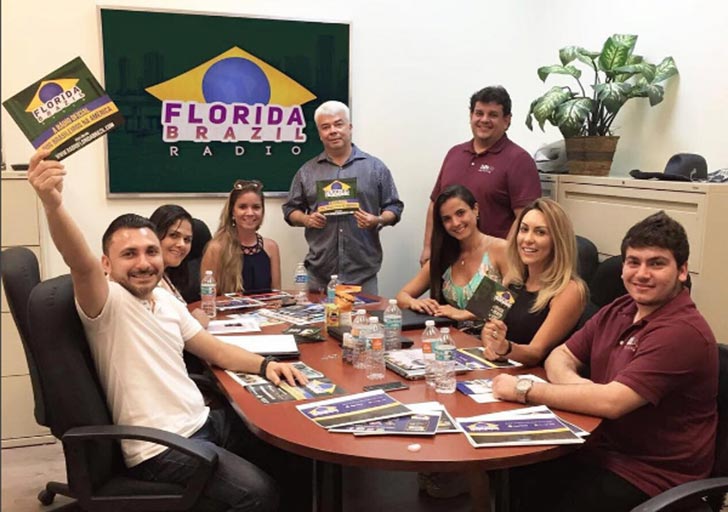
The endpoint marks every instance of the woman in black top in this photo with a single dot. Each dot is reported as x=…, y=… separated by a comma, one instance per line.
x=241, y=259
x=551, y=296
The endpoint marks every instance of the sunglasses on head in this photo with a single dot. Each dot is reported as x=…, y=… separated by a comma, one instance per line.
x=251, y=184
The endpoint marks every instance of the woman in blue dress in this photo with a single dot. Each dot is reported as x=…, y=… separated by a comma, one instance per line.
x=240, y=258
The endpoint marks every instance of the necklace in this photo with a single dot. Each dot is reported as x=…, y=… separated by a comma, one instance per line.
x=485, y=241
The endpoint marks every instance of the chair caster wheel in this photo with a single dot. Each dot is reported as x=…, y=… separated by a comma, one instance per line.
x=46, y=497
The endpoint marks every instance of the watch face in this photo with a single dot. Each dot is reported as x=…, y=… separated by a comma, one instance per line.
x=523, y=385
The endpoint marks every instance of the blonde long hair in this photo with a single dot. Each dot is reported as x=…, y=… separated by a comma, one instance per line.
x=560, y=269
x=229, y=274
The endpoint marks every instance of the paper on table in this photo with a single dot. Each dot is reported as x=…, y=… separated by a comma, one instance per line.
x=280, y=344
x=238, y=325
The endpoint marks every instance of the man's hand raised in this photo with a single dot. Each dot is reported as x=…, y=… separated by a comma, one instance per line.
x=46, y=177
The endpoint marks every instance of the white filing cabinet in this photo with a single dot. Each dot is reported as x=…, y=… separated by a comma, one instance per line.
x=603, y=209
x=19, y=227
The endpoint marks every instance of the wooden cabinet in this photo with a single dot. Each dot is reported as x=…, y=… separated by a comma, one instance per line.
x=19, y=227
x=603, y=209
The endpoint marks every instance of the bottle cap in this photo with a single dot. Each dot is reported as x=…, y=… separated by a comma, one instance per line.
x=445, y=330
x=429, y=323
x=361, y=311
x=393, y=301
x=373, y=320
x=208, y=272
x=334, y=276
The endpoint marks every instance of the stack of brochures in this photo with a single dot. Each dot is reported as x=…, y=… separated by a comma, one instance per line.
x=521, y=427
x=426, y=419
x=318, y=386
x=410, y=363
x=352, y=409
x=300, y=314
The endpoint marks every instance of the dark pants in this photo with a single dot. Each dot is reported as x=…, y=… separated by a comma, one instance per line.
x=241, y=480
x=571, y=485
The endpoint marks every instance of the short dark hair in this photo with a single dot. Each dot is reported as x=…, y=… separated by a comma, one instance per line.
x=658, y=230
x=125, y=221
x=492, y=94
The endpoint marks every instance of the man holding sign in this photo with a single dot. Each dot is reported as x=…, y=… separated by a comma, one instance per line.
x=342, y=197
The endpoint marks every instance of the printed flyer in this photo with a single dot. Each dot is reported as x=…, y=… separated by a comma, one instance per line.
x=337, y=197
x=358, y=408
x=65, y=110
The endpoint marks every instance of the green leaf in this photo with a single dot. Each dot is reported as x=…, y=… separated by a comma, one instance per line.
x=645, y=69
x=616, y=51
x=549, y=102
x=545, y=71
x=529, y=117
x=569, y=53
x=613, y=95
x=665, y=70
x=656, y=93
x=571, y=115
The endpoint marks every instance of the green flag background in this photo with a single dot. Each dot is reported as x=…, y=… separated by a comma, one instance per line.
x=143, y=49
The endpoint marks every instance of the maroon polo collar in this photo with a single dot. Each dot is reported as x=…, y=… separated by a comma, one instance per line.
x=677, y=303
x=495, y=148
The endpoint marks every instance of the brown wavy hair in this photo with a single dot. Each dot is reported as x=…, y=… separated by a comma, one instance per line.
x=560, y=269
x=229, y=273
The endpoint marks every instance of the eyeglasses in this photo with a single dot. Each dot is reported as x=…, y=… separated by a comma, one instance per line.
x=247, y=184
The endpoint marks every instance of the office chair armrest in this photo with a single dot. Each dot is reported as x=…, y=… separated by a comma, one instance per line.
x=684, y=494
x=78, y=450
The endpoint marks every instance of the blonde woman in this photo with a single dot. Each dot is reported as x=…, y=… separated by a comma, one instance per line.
x=240, y=258
x=541, y=269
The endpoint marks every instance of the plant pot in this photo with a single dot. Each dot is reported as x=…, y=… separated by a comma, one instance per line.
x=591, y=156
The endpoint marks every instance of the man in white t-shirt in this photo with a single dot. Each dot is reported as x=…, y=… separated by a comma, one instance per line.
x=137, y=333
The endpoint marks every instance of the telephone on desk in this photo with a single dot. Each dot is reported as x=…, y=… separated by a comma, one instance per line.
x=551, y=157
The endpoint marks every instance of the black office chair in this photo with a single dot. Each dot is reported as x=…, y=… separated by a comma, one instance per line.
x=20, y=274
x=707, y=494
x=587, y=258
x=606, y=284
x=76, y=413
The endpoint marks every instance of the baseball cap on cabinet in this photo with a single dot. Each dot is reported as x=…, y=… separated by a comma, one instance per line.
x=680, y=167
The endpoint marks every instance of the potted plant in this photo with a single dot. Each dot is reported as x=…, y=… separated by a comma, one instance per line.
x=584, y=116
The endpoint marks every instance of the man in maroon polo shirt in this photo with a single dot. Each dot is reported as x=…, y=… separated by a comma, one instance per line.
x=501, y=175
x=652, y=365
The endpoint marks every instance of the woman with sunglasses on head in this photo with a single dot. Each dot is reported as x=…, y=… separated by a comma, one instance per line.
x=174, y=230
x=551, y=297
x=240, y=258
x=461, y=256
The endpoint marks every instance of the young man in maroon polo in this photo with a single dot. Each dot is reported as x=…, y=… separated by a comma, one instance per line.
x=501, y=175
x=652, y=366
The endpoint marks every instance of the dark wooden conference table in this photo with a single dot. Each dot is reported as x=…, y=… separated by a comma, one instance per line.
x=283, y=426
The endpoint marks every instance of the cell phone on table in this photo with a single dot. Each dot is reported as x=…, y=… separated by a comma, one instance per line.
x=387, y=386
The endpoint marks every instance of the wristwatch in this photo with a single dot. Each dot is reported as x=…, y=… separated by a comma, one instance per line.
x=523, y=386
x=380, y=222
x=264, y=365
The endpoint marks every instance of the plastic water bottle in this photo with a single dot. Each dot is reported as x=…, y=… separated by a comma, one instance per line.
x=208, y=292
x=300, y=284
x=375, y=359
x=430, y=340
x=347, y=348
x=444, y=363
x=359, y=327
x=331, y=289
x=392, y=326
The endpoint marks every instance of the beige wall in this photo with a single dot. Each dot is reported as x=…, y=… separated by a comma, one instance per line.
x=413, y=69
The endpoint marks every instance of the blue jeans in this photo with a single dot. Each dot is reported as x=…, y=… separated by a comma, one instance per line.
x=236, y=485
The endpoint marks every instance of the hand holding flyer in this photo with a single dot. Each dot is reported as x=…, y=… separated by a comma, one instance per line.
x=64, y=111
